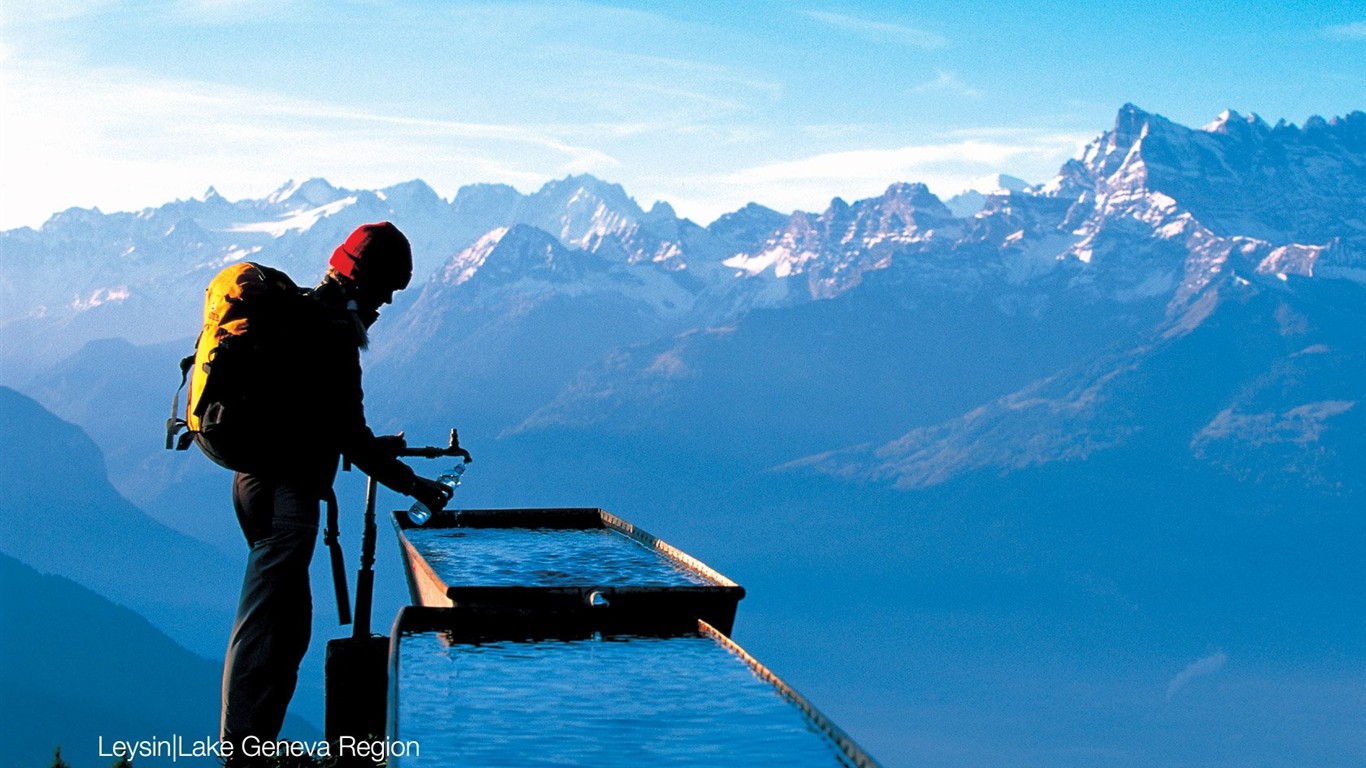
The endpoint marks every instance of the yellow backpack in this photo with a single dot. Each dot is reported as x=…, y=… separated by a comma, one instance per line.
x=246, y=309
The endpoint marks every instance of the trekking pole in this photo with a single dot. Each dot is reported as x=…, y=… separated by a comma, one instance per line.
x=331, y=538
x=365, y=580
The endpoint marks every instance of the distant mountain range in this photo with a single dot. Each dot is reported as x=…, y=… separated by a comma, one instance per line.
x=1281, y=198
x=1138, y=385
x=59, y=514
x=162, y=616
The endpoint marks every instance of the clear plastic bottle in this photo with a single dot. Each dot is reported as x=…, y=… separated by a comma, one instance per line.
x=418, y=512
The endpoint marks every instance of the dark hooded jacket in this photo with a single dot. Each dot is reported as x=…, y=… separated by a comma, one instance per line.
x=313, y=400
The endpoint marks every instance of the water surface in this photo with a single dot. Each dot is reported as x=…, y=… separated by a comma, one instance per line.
x=545, y=557
x=621, y=701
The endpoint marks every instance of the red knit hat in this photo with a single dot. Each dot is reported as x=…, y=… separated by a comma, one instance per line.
x=377, y=252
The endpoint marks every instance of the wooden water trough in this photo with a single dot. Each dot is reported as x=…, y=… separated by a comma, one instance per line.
x=657, y=587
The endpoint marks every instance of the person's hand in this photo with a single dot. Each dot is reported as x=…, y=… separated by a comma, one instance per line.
x=432, y=494
x=392, y=444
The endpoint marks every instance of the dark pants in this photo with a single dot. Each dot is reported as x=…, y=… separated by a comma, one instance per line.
x=275, y=614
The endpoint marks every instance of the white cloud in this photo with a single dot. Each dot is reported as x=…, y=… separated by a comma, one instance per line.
x=808, y=183
x=1198, y=668
x=1353, y=31
x=668, y=127
x=881, y=30
x=230, y=12
x=119, y=141
x=112, y=139
x=902, y=163
x=947, y=82
x=136, y=142
x=676, y=69
x=16, y=12
x=633, y=87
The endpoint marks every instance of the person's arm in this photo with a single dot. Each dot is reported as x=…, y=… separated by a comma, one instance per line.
x=375, y=457
x=358, y=442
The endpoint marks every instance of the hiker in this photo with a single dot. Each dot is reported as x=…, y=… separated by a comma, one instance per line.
x=315, y=406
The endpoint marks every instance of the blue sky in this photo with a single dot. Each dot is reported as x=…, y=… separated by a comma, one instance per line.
x=706, y=105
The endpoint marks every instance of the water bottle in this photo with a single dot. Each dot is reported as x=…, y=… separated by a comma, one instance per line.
x=418, y=512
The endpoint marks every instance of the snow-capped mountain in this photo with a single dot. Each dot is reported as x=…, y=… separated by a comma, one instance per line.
x=588, y=214
x=1284, y=198
x=86, y=275
x=573, y=305
x=831, y=252
x=1113, y=253
x=517, y=312
x=1238, y=177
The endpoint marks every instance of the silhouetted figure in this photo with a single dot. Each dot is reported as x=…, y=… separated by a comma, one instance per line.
x=316, y=399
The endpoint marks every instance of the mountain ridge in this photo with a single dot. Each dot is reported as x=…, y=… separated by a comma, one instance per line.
x=59, y=513
x=1285, y=211
x=76, y=667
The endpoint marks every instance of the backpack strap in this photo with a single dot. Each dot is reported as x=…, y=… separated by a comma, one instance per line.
x=175, y=423
x=331, y=539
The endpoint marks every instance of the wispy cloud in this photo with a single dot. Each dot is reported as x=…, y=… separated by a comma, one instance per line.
x=196, y=12
x=1354, y=31
x=1022, y=134
x=881, y=30
x=1198, y=668
x=14, y=12
x=677, y=67
x=232, y=12
x=141, y=142
x=666, y=88
x=947, y=82
x=807, y=183
x=902, y=163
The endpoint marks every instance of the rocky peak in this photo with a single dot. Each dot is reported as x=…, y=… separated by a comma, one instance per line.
x=1231, y=123
x=661, y=211
x=74, y=221
x=479, y=197
x=901, y=210
x=415, y=193
x=915, y=202
x=746, y=229
x=312, y=193
x=586, y=191
x=581, y=210
x=505, y=254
